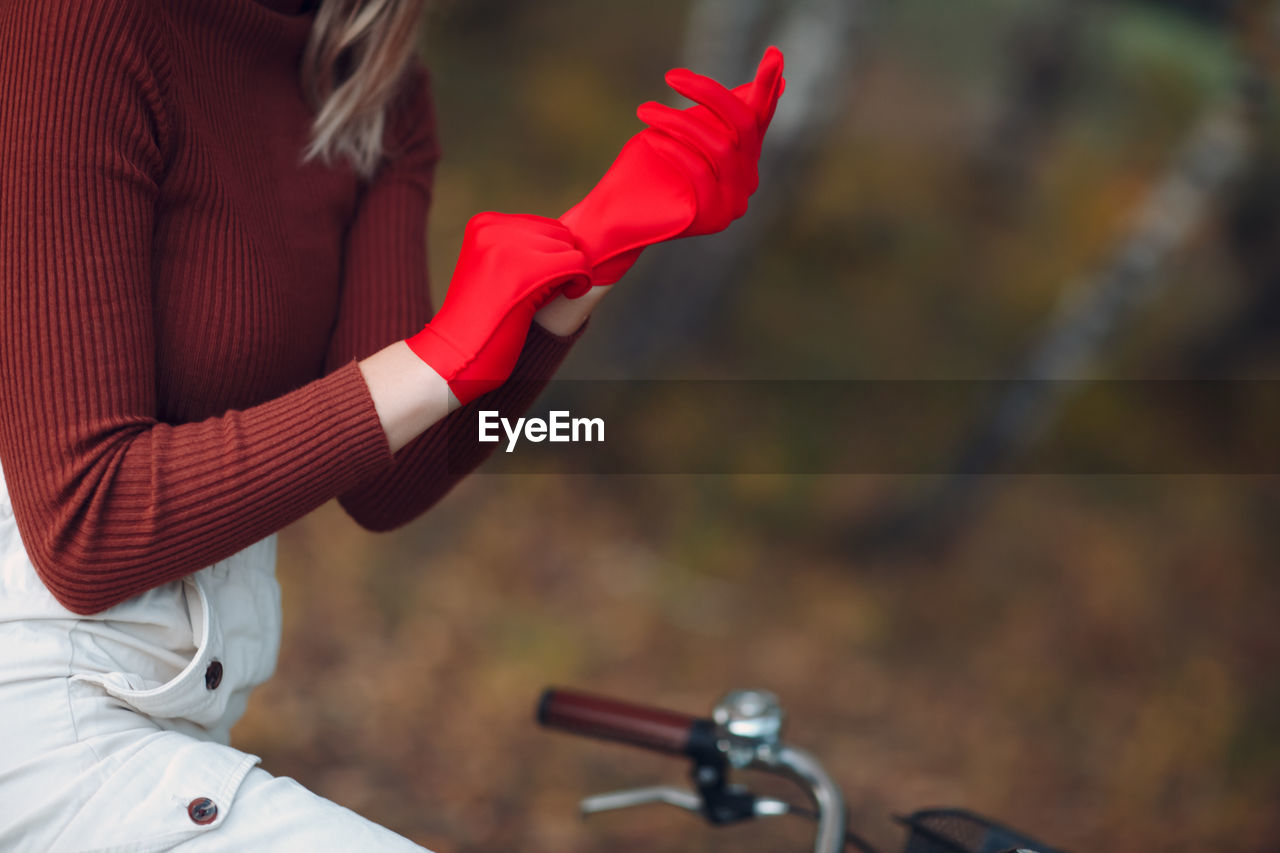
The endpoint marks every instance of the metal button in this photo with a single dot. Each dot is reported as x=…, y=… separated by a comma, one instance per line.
x=202, y=810
x=213, y=675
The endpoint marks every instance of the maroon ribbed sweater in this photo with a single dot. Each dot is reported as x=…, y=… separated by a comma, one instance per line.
x=183, y=303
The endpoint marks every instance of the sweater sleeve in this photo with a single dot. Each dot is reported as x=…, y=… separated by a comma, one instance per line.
x=109, y=500
x=386, y=298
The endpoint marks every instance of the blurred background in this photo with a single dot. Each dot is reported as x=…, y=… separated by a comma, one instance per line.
x=1027, y=190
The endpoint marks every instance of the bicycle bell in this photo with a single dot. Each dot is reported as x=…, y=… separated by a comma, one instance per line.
x=747, y=722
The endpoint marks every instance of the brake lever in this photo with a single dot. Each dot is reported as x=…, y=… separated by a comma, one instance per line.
x=667, y=794
x=679, y=797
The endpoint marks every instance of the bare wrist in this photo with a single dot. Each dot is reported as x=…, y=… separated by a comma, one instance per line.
x=408, y=395
x=563, y=316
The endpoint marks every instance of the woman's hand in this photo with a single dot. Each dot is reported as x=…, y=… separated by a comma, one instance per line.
x=690, y=172
x=717, y=144
x=511, y=265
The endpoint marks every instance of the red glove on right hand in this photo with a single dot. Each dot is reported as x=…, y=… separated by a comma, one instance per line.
x=691, y=172
x=510, y=266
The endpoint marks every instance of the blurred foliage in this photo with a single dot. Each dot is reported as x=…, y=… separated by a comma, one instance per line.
x=1093, y=659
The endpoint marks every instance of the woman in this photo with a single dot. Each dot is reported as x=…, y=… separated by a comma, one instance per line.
x=212, y=260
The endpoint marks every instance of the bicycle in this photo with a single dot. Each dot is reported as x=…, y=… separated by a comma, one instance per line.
x=744, y=732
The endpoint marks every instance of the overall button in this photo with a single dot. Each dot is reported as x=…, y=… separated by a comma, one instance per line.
x=202, y=810
x=213, y=675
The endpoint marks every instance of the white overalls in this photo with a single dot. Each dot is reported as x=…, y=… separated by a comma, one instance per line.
x=114, y=727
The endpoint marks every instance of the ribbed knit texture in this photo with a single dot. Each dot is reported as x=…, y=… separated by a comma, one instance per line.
x=182, y=303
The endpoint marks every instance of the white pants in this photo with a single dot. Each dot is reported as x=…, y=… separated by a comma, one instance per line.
x=114, y=728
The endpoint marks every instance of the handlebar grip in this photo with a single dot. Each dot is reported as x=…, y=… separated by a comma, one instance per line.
x=609, y=719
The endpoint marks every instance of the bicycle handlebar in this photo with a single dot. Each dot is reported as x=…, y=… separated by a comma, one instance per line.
x=743, y=733
x=594, y=716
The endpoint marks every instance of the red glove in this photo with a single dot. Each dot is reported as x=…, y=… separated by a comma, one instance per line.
x=690, y=172
x=510, y=266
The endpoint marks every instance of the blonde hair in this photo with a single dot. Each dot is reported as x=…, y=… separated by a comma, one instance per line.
x=352, y=68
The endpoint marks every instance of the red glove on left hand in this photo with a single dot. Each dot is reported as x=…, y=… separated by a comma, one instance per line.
x=690, y=172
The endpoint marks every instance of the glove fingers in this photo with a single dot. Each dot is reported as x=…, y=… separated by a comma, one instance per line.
x=763, y=99
x=573, y=280
x=560, y=260
x=540, y=226
x=541, y=249
x=778, y=89
x=519, y=230
x=553, y=245
x=532, y=234
x=571, y=286
x=576, y=288
x=686, y=127
x=554, y=271
x=735, y=114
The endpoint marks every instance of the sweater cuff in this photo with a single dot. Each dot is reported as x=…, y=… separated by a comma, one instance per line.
x=347, y=399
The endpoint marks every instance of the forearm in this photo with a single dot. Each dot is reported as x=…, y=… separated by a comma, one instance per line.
x=110, y=508
x=430, y=465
